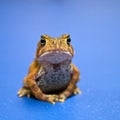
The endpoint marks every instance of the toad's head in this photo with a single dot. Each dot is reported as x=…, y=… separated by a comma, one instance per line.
x=54, y=50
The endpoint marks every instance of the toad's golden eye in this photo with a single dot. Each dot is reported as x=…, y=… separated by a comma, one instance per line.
x=43, y=41
x=68, y=41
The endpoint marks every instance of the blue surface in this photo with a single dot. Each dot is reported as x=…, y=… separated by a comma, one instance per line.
x=94, y=26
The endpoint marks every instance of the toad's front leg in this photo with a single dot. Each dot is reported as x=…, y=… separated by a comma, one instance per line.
x=39, y=94
x=31, y=86
x=71, y=88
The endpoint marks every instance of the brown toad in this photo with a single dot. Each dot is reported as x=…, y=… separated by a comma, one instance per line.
x=51, y=76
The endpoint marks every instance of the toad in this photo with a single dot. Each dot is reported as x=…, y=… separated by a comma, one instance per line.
x=52, y=77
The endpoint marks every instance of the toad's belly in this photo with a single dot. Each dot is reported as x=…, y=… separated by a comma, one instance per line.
x=52, y=82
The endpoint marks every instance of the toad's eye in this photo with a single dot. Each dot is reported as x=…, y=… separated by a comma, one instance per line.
x=68, y=41
x=43, y=41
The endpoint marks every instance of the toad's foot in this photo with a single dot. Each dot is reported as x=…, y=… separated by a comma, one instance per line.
x=77, y=91
x=62, y=97
x=52, y=98
x=24, y=91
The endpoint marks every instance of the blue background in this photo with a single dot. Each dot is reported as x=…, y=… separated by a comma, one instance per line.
x=94, y=26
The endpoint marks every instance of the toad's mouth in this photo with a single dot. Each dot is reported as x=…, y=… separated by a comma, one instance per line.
x=55, y=57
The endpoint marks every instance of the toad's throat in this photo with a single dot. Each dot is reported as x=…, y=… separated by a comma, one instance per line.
x=55, y=57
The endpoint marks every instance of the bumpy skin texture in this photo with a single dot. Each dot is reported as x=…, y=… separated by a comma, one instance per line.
x=51, y=76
